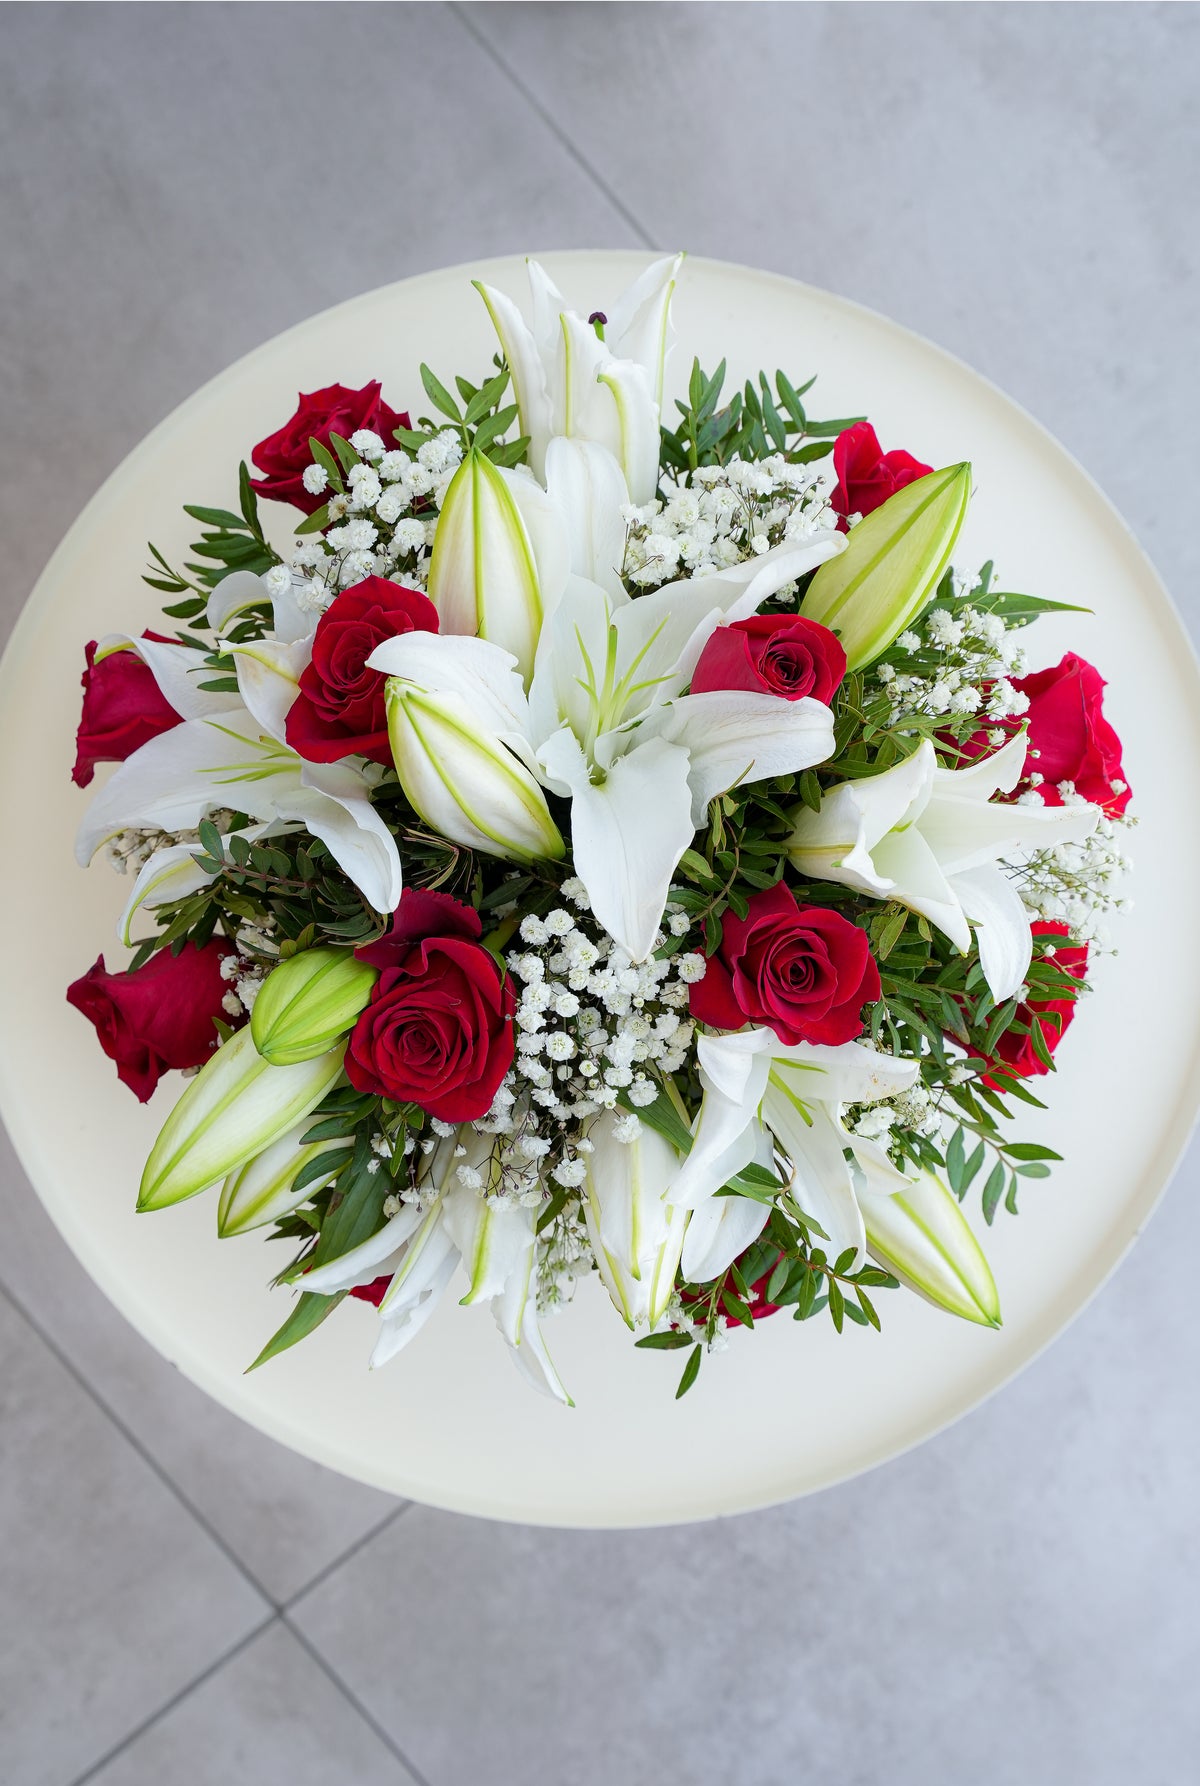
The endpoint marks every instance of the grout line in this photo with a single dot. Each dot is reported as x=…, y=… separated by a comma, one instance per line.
x=146, y=1456
x=350, y=1697
x=552, y=124
x=175, y=1699
x=351, y=1551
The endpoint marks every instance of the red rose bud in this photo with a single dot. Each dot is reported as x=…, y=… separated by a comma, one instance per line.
x=336, y=409
x=160, y=1016
x=341, y=709
x=804, y=971
x=438, y=1031
x=123, y=708
x=1069, y=737
x=1053, y=1016
x=866, y=475
x=773, y=654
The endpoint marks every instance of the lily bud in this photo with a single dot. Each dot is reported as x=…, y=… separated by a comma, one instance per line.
x=264, y=1188
x=483, y=576
x=237, y=1105
x=923, y=1237
x=894, y=560
x=636, y=1235
x=463, y=781
x=307, y=1004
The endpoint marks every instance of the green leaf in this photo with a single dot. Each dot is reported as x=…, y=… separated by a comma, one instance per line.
x=837, y=1303
x=210, y=840
x=347, y=454
x=224, y=518
x=889, y=934
x=324, y=457
x=439, y=396
x=665, y=1342
x=248, y=499
x=662, y=1116
x=992, y=1191
x=691, y=1371
x=956, y=1162
x=1030, y=1150
x=307, y=1315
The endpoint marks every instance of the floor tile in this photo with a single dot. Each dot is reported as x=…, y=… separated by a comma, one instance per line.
x=269, y=1717
x=113, y=1597
x=1015, y=182
x=284, y=1517
x=182, y=183
x=1011, y=1603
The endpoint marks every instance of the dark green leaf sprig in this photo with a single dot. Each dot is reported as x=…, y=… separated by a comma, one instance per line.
x=755, y=423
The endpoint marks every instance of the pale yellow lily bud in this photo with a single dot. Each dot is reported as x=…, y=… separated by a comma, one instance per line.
x=483, y=577
x=894, y=560
x=463, y=781
x=922, y=1235
x=307, y=1004
x=237, y=1105
x=264, y=1189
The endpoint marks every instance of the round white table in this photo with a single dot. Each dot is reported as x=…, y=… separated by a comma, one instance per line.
x=783, y=1411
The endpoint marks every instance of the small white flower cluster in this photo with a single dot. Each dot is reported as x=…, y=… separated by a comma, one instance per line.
x=727, y=514
x=374, y=531
x=1078, y=883
x=564, y=1256
x=591, y=1025
x=132, y=849
x=245, y=977
x=962, y=662
x=914, y=1110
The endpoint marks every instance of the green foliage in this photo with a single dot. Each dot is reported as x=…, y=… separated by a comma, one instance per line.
x=753, y=424
x=479, y=415
x=229, y=542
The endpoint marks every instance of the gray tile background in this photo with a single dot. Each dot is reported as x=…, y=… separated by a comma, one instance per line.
x=184, y=1602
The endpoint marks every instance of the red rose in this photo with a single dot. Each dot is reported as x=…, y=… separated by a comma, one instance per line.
x=805, y=971
x=339, y=711
x=123, y=708
x=773, y=654
x=1053, y=1016
x=284, y=455
x=374, y=1292
x=1069, y=737
x=160, y=1016
x=867, y=476
x=438, y=1030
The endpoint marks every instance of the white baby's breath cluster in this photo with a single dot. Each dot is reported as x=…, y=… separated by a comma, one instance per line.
x=959, y=661
x=383, y=524
x=728, y=514
x=592, y=1028
x=1079, y=884
x=132, y=849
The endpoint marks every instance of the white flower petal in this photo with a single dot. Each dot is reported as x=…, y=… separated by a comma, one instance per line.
x=268, y=674
x=178, y=671
x=1002, y=928
x=718, y=1232
x=588, y=487
x=628, y=832
x=734, y=736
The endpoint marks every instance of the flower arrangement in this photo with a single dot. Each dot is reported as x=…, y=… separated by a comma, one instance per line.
x=596, y=845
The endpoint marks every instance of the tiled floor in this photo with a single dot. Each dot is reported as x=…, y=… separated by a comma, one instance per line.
x=182, y=1602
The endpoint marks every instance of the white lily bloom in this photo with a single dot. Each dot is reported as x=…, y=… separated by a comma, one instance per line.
x=568, y=380
x=241, y=590
x=239, y=757
x=799, y=1094
x=635, y=1230
x=419, y=1250
x=606, y=721
x=932, y=839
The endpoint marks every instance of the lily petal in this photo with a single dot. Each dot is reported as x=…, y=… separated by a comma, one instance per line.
x=628, y=832
x=588, y=487
x=734, y=736
x=178, y=671
x=1002, y=928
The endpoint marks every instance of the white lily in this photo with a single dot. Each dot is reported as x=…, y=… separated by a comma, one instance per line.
x=606, y=722
x=635, y=1230
x=238, y=757
x=420, y=1249
x=263, y=1190
x=799, y=1094
x=932, y=839
x=241, y=590
x=602, y=384
x=500, y=541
